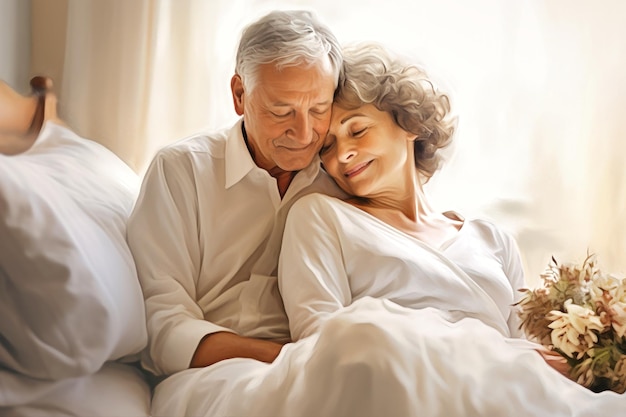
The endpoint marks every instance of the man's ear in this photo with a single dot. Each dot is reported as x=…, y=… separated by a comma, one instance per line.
x=236, y=87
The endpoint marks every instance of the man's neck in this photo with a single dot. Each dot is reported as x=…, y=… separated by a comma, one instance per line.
x=283, y=179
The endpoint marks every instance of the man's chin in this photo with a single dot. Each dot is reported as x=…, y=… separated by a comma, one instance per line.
x=295, y=163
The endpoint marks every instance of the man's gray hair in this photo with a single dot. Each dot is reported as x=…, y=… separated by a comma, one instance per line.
x=285, y=38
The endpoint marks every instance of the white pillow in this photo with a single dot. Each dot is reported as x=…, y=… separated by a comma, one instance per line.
x=70, y=299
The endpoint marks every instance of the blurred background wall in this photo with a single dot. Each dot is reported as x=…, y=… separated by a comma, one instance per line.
x=15, y=42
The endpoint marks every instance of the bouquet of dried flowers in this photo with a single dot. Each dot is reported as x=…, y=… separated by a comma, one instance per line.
x=580, y=312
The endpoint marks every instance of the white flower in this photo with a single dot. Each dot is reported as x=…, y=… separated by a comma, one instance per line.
x=581, y=312
x=604, y=288
x=574, y=332
x=608, y=295
x=620, y=291
x=618, y=317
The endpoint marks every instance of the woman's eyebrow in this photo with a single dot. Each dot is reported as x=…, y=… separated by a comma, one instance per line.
x=350, y=116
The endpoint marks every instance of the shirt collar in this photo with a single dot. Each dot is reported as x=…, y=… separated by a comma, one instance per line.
x=237, y=158
x=239, y=162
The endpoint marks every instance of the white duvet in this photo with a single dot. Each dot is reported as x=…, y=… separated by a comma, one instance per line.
x=446, y=352
x=375, y=358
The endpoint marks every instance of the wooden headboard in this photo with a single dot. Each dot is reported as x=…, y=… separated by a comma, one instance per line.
x=21, y=117
x=41, y=87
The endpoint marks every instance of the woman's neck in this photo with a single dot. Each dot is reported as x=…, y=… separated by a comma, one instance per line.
x=407, y=198
x=411, y=212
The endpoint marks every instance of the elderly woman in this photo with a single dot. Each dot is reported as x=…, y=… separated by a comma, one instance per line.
x=388, y=124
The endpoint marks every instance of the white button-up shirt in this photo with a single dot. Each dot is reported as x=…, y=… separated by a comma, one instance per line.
x=206, y=234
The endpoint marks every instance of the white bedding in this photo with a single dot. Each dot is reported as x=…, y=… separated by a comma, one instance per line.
x=115, y=390
x=376, y=358
x=70, y=300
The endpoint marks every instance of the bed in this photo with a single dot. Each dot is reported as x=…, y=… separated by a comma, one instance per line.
x=72, y=316
x=73, y=322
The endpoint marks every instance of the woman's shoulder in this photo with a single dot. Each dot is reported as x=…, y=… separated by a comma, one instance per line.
x=317, y=200
x=313, y=211
x=316, y=205
x=489, y=230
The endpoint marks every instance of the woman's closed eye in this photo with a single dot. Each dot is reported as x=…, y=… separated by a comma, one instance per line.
x=358, y=132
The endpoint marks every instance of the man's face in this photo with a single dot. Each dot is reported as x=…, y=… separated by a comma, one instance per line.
x=286, y=114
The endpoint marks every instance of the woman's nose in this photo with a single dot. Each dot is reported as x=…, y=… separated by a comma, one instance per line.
x=345, y=151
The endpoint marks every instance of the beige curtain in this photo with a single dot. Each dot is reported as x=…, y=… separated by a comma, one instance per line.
x=538, y=86
x=140, y=74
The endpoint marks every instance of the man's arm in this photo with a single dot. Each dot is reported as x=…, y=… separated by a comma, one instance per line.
x=219, y=346
x=163, y=236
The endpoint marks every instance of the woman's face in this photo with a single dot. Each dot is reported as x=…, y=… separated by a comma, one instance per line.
x=367, y=153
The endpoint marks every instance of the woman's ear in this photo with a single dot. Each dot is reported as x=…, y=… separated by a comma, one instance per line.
x=236, y=87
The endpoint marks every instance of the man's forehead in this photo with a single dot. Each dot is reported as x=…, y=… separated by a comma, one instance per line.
x=287, y=92
x=314, y=72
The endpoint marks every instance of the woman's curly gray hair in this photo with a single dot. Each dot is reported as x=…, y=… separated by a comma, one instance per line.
x=371, y=75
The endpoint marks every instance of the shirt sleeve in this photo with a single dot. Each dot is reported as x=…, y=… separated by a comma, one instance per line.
x=514, y=270
x=311, y=276
x=163, y=237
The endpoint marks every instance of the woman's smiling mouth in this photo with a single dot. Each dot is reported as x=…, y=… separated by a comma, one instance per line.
x=356, y=170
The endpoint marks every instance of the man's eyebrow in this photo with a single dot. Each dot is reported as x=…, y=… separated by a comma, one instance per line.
x=350, y=116
x=321, y=103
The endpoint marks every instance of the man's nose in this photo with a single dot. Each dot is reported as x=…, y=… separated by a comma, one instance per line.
x=301, y=129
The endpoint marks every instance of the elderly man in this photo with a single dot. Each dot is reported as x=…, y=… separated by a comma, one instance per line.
x=207, y=227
